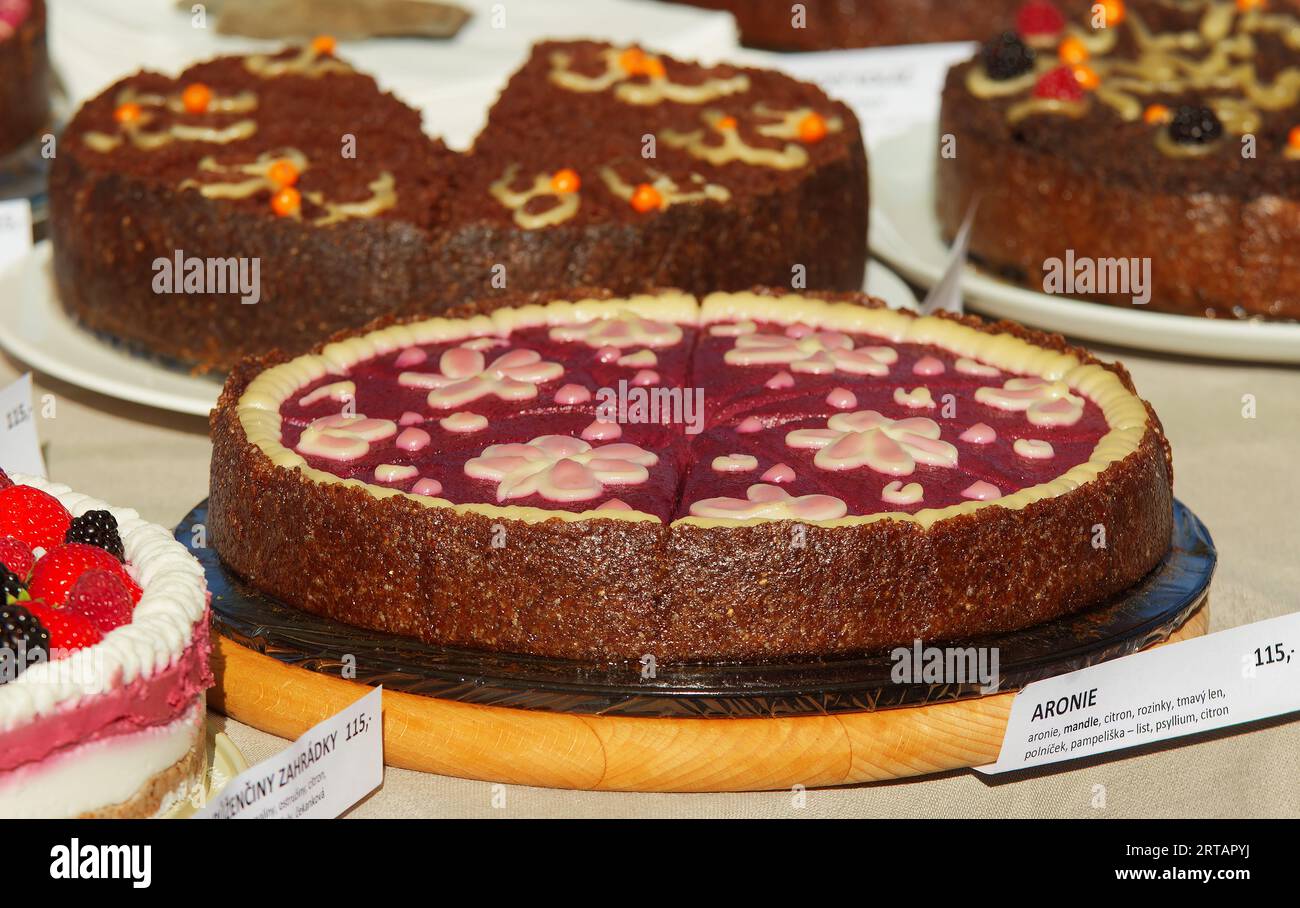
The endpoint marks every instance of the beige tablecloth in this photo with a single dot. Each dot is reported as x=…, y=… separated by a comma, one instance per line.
x=1238, y=474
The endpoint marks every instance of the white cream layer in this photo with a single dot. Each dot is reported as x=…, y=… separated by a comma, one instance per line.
x=102, y=773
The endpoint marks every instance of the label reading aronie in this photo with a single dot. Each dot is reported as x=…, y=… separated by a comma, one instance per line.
x=1234, y=676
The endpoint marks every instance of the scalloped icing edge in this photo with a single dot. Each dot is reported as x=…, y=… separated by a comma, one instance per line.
x=258, y=409
x=174, y=600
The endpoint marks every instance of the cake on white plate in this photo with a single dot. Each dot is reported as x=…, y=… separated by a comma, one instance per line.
x=103, y=658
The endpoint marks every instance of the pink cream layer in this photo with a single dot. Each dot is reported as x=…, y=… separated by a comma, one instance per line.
x=144, y=703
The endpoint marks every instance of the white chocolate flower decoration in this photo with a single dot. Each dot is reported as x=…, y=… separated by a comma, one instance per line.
x=890, y=446
x=1045, y=403
x=771, y=503
x=465, y=377
x=626, y=329
x=341, y=437
x=816, y=353
x=560, y=468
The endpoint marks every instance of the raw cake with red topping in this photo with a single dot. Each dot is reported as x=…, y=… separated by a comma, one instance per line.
x=103, y=659
x=748, y=476
x=24, y=72
x=600, y=165
x=1167, y=139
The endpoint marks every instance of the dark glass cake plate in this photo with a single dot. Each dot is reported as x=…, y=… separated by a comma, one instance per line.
x=1142, y=616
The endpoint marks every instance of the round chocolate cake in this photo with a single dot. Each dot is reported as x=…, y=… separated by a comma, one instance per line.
x=24, y=72
x=1167, y=139
x=750, y=476
x=600, y=165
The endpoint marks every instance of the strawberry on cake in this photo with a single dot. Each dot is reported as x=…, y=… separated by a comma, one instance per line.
x=103, y=658
x=860, y=477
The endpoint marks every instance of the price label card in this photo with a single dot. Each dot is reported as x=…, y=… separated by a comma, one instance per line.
x=15, y=230
x=1234, y=676
x=888, y=88
x=20, y=448
x=326, y=771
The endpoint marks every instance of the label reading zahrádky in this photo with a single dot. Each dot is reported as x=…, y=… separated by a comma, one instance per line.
x=1234, y=676
x=20, y=447
x=326, y=771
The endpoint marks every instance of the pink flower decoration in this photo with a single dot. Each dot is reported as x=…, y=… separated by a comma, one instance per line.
x=818, y=353
x=771, y=503
x=890, y=446
x=1045, y=403
x=560, y=468
x=465, y=377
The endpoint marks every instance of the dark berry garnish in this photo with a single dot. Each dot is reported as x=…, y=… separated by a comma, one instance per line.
x=1006, y=57
x=5, y=481
x=98, y=528
x=1194, y=125
x=21, y=635
x=12, y=583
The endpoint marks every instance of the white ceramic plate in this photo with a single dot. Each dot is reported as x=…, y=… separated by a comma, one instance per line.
x=225, y=761
x=35, y=329
x=905, y=233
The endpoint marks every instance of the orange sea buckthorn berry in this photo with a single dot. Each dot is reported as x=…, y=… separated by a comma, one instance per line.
x=323, y=44
x=282, y=173
x=633, y=61
x=812, y=128
x=1073, y=51
x=287, y=202
x=565, y=181
x=1112, y=10
x=1086, y=76
x=725, y=123
x=1293, y=138
x=1156, y=114
x=127, y=113
x=654, y=68
x=196, y=97
x=1247, y=5
x=647, y=198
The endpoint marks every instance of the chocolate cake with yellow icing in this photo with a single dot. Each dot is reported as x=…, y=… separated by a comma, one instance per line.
x=600, y=166
x=1171, y=137
x=745, y=476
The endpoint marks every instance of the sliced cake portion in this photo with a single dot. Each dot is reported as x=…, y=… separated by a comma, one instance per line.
x=252, y=202
x=103, y=659
x=611, y=166
x=756, y=476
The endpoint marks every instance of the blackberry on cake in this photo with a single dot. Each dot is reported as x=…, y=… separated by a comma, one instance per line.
x=22, y=636
x=1168, y=136
x=97, y=528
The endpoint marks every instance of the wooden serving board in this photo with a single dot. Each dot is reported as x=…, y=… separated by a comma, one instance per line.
x=614, y=753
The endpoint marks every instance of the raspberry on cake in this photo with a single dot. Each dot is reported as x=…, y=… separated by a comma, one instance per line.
x=609, y=166
x=1165, y=136
x=24, y=72
x=946, y=475
x=103, y=659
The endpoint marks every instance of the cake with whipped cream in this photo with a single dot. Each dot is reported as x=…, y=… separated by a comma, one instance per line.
x=748, y=476
x=103, y=659
x=600, y=165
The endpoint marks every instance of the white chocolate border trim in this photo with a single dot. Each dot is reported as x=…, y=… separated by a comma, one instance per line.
x=258, y=409
x=175, y=599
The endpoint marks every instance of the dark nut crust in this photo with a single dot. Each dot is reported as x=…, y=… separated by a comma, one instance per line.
x=613, y=590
